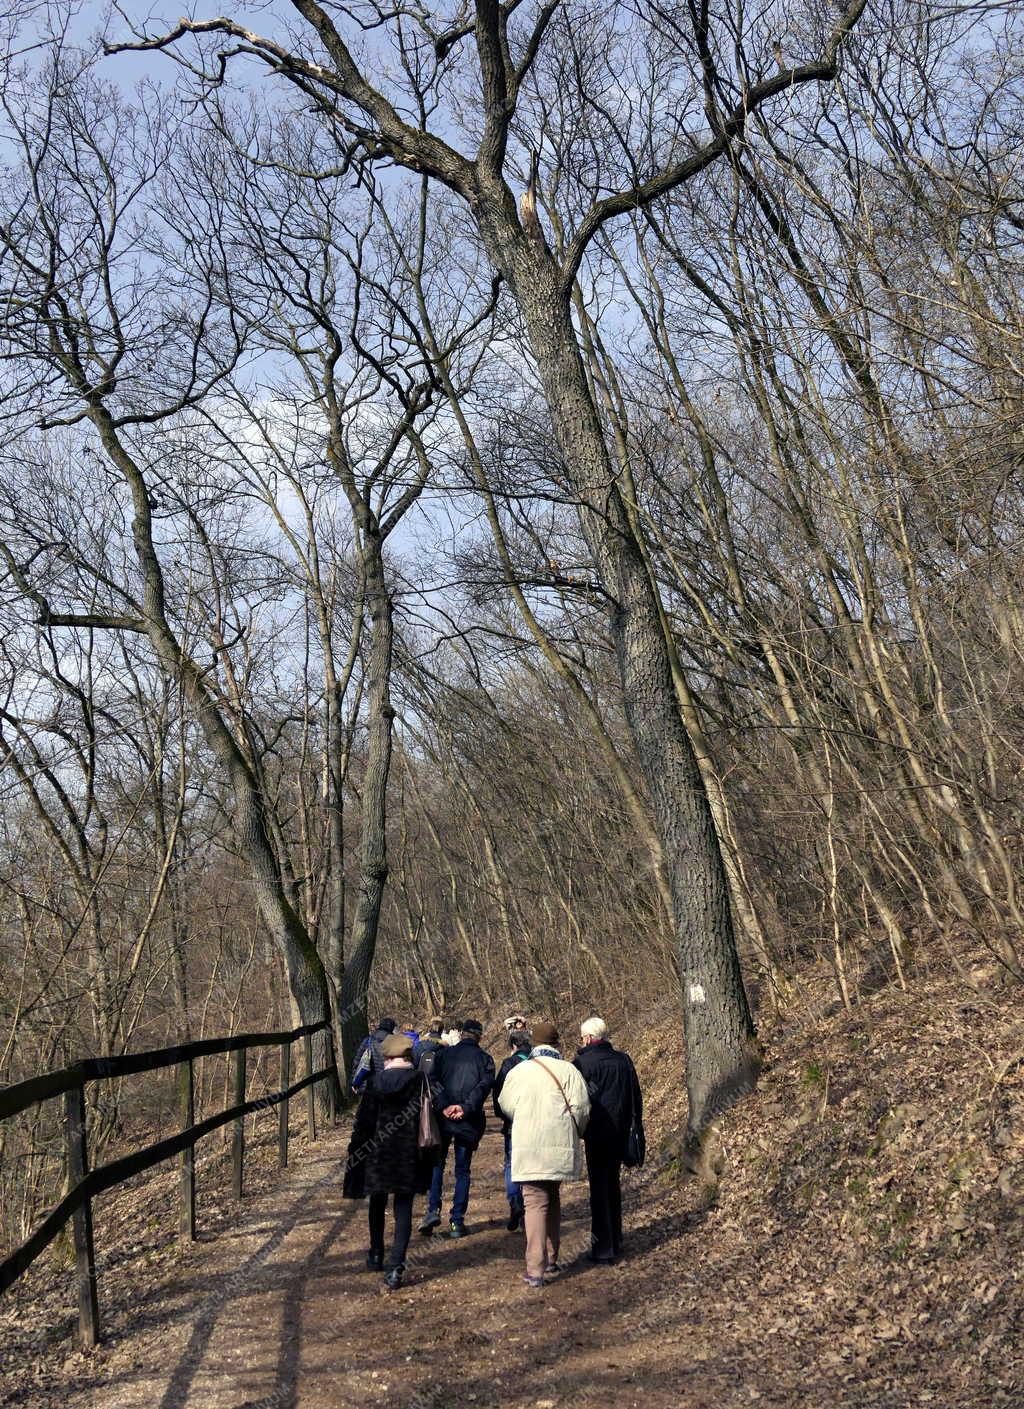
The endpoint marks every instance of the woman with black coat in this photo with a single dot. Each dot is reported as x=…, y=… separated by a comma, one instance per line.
x=384, y=1156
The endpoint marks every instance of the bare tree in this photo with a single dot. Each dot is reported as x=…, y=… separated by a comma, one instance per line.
x=103, y=338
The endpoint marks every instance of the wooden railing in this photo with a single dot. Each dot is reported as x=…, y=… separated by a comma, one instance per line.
x=84, y=1184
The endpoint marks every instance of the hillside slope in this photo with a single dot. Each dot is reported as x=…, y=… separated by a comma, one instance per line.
x=866, y=1249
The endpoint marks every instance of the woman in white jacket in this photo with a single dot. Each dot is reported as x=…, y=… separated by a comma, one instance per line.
x=546, y=1100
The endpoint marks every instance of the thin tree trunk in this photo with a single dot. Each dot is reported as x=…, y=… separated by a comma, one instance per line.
x=306, y=978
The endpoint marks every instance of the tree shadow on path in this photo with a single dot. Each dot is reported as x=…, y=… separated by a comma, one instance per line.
x=244, y=1280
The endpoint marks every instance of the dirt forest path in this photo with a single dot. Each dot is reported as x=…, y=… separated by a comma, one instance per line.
x=281, y=1314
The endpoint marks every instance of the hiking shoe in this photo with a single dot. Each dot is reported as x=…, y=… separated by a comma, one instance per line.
x=374, y=1261
x=601, y=1259
x=430, y=1222
x=553, y=1269
x=515, y=1219
x=537, y=1283
x=393, y=1279
x=456, y=1230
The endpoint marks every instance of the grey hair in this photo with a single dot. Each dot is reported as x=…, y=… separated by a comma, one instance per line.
x=594, y=1027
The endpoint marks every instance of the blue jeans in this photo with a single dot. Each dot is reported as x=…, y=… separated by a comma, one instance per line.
x=463, y=1161
x=512, y=1189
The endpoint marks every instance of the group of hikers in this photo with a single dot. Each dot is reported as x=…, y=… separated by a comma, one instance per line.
x=420, y=1097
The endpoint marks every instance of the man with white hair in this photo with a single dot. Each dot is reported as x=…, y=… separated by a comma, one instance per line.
x=616, y=1104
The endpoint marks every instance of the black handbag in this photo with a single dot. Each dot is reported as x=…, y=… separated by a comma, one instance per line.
x=636, y=1142
x=636, y=1147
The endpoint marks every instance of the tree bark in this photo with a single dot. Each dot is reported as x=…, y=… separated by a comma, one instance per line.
x=721, y=1055
x=373, y=856
x=307, y=980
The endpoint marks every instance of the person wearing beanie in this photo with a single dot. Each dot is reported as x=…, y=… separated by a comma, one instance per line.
x=465, y=1074
x=519, y=1041
x=616, y=1104
x=384, y=1157
x=546, y=1100
x=368, y=1058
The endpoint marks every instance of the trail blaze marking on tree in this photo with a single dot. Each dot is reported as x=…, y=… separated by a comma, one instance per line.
x=696, y=993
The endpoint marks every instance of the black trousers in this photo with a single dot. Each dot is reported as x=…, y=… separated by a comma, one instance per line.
x=603, y=1174
x=403, y=1226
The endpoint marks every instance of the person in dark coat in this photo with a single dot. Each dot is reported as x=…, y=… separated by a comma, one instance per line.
x=426, y=1049
x=368, y=1054
x=615, y=1102
x=384, y=1157
x=521, y=1045
x=465, y=1075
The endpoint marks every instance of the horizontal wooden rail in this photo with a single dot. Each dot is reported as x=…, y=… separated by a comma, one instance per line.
x=23, y=1094
x=87, y=1183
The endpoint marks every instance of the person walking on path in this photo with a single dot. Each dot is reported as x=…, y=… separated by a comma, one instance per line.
x=426, y=1049
x=519, y=1041
x=465, y=1075
x=546, y=1100
x=368, y=1054
x=616, y=1103
x=384, y=1157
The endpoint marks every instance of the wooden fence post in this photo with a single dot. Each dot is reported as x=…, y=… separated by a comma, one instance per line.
x=85, y=1253
x=307, y=1043
x=238, y=1138
x=187, y=1111
x=332, y=1085
x=282, y=1110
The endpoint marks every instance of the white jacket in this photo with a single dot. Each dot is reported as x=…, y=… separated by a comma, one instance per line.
x=545, y=1142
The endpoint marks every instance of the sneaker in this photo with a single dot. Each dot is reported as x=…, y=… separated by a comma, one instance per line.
x=537, y=1283
x=515, y=1219
x=374, y=1261
x=431, y=1221
x=393, y=1279
x=456, y=1230
x=553, y=1269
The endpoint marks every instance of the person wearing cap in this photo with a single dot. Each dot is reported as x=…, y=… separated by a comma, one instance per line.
x=546, y=1100
x=520, y=1043
x=384, y=1158
x=465, y=1074
x=616, y=1102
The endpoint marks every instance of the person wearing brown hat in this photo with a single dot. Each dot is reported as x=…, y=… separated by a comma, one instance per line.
x=546, y=1100
x=384, y=1157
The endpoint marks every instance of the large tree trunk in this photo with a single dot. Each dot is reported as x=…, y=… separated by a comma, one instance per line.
x=721, y=1054
x=373, y=857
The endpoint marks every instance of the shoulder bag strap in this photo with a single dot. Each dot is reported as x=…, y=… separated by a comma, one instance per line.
x=544, y=1067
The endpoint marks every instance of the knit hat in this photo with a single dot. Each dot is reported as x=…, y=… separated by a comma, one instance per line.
x=471, y=1025
x=545, y=1035
x=397, y=1046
